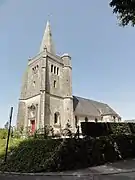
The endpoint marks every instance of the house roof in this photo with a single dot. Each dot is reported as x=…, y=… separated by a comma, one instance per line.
x=89, y=107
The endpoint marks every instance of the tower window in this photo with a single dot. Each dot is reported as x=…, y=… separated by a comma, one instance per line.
x=54, y=84
x=56, y=118
x=35, y=69
x=51, y=68
x=57, y=70
x=54, y=69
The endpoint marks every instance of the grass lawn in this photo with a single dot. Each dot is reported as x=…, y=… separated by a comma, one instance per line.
x=30, y=155
x=12, y=143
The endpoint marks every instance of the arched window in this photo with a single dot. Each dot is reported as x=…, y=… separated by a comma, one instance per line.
x=57, y=71
x=56, y=117
x=54, y=69
x=76, y=121
x=54, y=84
x=86, y=119
x=51, y=68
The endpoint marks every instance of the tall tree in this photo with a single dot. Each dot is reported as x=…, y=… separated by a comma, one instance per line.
x=125, y=11
x=6, y=126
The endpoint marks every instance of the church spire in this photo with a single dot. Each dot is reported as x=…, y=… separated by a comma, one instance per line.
x=47, y=41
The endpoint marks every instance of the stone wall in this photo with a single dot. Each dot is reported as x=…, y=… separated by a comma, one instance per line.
x=21, y=114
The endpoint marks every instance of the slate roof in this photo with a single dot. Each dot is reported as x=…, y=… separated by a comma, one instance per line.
x=89, y=107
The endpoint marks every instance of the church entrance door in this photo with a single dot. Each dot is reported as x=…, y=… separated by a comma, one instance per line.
x=33, y=126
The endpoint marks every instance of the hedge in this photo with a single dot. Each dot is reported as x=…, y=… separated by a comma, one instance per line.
x=104, y=129
x=82, y=153
x=30, y=155
x=38, y=155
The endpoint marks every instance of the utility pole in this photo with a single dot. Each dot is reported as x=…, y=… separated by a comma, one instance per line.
x=10, y=120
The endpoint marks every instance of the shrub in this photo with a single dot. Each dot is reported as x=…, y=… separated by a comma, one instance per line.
x=45, y=132
x=3, y=133
x=104, y=129
x=67, y=132
x=39, y=155
x=12, y=143
x=126, y=145
x=30, y=155
x=120, y=128
x=16, y=134
x=132, y=127
x=81, y=153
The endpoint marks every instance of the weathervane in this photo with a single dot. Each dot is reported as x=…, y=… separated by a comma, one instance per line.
x=49, y=15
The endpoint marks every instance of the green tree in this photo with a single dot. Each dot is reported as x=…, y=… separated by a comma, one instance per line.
x=3, y=133
x=6, y=126
x=125, y=11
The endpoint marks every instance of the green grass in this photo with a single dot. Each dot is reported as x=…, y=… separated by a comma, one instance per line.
x=2, y=146
x=30, y=155
x=12, y=143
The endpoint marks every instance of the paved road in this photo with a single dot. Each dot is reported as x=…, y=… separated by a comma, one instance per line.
x=11, y=177
x=121, y=176
x=118, y=168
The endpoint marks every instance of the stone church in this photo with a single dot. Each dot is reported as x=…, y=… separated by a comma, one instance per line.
x=46, y=94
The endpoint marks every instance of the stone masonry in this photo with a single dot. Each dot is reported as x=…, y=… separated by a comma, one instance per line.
x=46, y=94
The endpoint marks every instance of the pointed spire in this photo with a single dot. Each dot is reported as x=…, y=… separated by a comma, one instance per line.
x=47, y=41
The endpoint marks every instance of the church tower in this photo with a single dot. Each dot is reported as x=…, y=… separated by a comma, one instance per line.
x=46, y=93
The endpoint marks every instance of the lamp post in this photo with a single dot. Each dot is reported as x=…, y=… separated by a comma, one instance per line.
x=10, y=120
